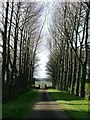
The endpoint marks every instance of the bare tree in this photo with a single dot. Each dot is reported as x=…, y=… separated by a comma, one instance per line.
x=69, y=30
x=21, y=27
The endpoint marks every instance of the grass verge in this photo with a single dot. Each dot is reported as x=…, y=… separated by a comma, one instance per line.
x=19, y=107
x=75, y=106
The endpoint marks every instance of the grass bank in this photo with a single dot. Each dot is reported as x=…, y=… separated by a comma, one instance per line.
x=76, y=107
x=19, y=107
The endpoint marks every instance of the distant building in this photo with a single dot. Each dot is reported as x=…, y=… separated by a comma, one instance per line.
x=43, y=83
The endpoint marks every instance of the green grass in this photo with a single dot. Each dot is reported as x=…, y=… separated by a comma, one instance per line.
x=76, y=107
x=19, y=107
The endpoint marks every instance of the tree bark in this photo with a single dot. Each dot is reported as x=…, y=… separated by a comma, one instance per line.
x=4, y=44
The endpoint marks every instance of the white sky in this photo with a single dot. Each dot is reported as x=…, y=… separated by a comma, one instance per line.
x=43, y=48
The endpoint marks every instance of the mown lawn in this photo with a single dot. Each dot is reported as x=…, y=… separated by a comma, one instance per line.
x=19, y=107
x=76, y=107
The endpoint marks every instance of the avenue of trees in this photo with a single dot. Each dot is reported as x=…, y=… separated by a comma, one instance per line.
x=69, y=62
x=20, y=34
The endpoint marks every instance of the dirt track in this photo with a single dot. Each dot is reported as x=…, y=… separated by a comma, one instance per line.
x=45, y=107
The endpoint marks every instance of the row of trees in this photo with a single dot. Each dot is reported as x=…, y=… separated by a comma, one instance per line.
x=69, y=63
x=21, y=32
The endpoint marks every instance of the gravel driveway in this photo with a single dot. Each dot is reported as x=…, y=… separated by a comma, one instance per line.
x=45, y=107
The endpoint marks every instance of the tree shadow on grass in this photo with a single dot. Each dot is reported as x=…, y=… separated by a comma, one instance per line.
x=75, y=114
x=65, y=96
x=49, y=114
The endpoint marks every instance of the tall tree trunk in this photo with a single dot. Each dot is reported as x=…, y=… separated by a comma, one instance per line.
x=67, y=67
x=8, y=49
x=74, y=75
x=83, y=81
x=78, y=80
x=14, y=68
x=65, y=75
x=79, y=74
x=4, y=44
x=4, y=54
x=62, y=74
x=20, y=57
x=71, y=71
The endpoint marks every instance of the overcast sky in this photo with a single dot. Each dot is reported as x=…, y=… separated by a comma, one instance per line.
x=43, y=54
